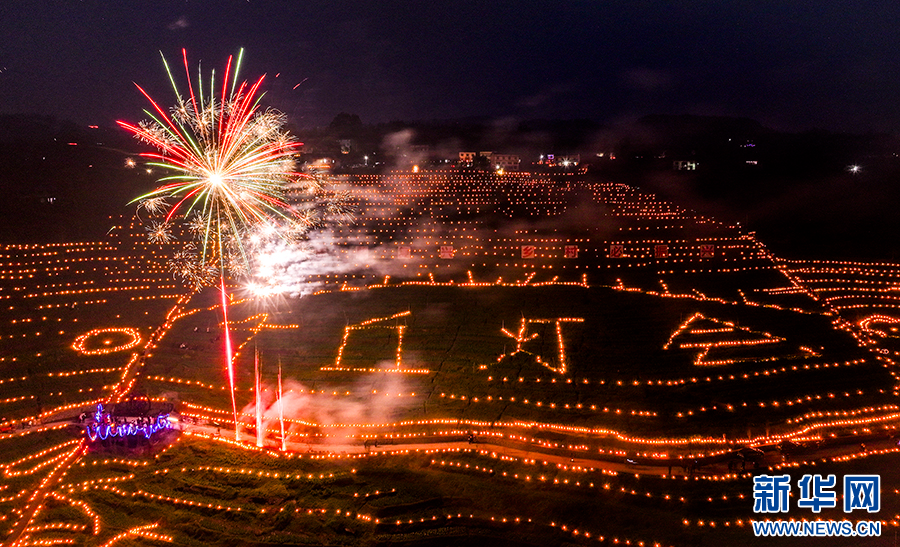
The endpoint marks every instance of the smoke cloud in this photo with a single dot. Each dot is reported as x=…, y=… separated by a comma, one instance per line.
x=373, y=400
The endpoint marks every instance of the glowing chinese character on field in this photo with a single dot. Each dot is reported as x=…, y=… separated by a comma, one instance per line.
x=522, y=337
x=370, y=324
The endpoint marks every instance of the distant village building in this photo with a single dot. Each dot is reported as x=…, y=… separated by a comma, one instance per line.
x=467, y=158
x=42, y=194
x=684, y=165
x=506, y=162
x=552, y=160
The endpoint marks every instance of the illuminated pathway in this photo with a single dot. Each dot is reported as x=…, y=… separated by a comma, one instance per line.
x=403, y=447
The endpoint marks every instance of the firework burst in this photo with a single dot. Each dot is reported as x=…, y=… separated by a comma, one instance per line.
x=159, y=233
x=228, y=164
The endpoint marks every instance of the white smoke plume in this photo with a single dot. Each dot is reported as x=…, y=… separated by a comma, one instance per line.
x=309, y=417
x=289, y=268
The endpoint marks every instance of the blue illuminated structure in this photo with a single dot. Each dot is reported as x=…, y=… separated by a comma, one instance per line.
x=105, y=426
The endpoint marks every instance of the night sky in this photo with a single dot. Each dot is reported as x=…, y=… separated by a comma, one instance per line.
x=791, y=65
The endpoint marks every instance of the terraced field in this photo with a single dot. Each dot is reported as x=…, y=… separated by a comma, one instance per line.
x=508, y=360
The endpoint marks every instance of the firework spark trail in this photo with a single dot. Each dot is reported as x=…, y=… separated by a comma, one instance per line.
x=259, y=429
x=228, y=357
x=280, y=406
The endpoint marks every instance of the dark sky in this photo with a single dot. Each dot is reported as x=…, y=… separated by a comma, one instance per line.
x=789, y=64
